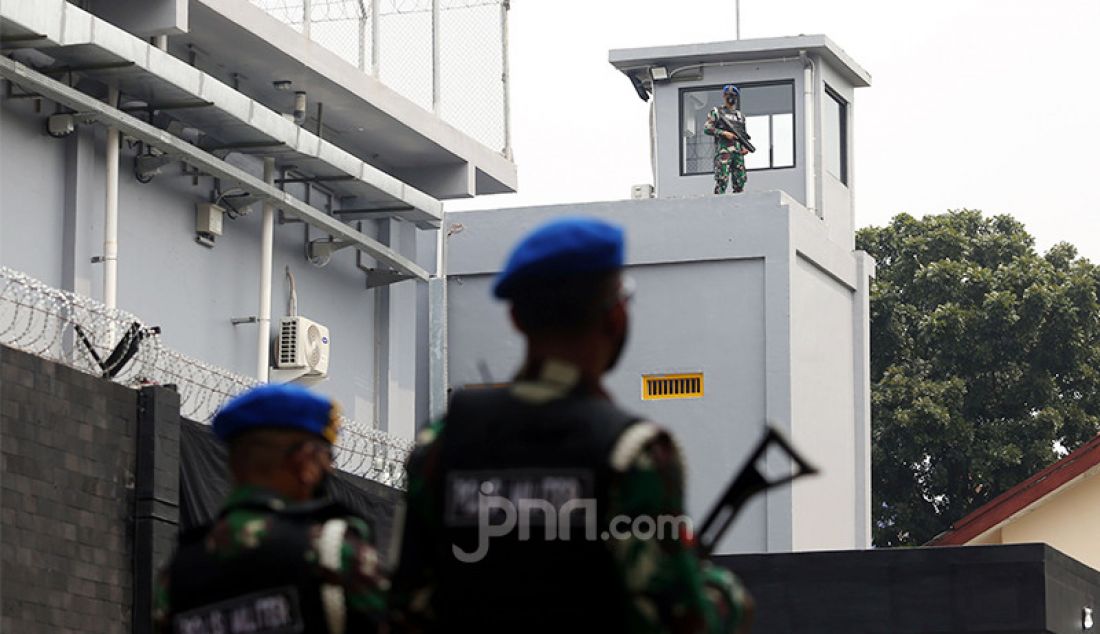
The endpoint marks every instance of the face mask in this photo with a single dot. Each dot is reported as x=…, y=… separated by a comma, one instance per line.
x=620, y=345
x=324, y=486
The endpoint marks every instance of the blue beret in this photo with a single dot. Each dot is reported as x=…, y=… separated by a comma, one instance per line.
x=561, y=248
x=281, y=405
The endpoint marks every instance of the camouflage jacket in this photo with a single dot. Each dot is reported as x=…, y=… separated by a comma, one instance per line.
x=662, y=576
x=243, y=526
x=711, y=128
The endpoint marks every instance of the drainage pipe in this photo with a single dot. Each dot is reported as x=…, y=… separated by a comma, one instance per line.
x=267, y=238
x=110, y=220
x=809, y=133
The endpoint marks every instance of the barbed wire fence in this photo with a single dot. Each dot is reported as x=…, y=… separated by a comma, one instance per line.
x=86, y=335
x=447, y=56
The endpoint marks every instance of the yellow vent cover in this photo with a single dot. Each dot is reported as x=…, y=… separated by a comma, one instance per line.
x=656, y=387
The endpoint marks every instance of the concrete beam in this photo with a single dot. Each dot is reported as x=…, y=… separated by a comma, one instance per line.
x=178, y=148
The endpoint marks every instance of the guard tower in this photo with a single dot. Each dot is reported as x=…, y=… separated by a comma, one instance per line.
x=750, y=308
x=797, y=94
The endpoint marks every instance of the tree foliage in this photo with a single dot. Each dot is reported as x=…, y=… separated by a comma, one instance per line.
x=985, y=365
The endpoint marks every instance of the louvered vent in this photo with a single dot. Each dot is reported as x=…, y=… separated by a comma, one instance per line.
x=657, y=387
x=288, y=343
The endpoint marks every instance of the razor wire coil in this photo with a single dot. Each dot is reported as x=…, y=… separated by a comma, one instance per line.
x=84, y=334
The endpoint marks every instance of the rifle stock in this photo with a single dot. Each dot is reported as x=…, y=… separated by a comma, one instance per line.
x=747, y=483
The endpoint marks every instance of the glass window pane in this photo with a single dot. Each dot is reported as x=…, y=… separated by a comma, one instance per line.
x=757, y=127
x=783, y=140
x=698, y=148
x=834, y=132
x=774, y=99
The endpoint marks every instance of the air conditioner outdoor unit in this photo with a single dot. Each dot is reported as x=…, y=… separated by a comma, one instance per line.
x=301, y=351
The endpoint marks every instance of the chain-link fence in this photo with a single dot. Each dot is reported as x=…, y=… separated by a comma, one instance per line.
x=84, y=334
x=447, y=56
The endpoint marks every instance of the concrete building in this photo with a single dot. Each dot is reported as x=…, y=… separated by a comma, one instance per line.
x=1059, y=506
x=749, y=308
x=177, y=158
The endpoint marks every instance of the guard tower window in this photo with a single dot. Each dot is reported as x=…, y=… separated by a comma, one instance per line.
x=836, y=135
x=769, y=119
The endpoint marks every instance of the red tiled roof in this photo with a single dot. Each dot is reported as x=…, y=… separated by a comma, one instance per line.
x=1021, y=496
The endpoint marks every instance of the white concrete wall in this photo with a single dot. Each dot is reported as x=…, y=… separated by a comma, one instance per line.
x=822, y=385
x=833, y=199
x=51, y=225
x=666, y=97
x=719, y=290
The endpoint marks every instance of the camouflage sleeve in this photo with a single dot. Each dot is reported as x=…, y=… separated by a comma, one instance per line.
x=415, y=577
x=670, y=588
x=711, y=125
x=362, y=575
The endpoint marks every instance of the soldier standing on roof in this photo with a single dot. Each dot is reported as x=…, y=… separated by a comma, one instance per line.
x=729, y=150
x=554, y=440
x=281, y=557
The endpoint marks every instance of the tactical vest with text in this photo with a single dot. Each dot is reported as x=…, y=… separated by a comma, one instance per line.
x=271, y=586
x=525, y=492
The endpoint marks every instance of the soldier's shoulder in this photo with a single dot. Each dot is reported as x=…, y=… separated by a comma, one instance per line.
x=430, y=434
x=644, y=444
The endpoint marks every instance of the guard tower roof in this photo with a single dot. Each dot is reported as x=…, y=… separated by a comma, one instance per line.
x=629, y=60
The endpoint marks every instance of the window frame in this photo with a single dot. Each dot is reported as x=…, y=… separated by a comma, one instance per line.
x=843, y=103
x=774, y=82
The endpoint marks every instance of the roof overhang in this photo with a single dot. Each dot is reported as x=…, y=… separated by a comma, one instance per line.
x=361, y=114
x=65, y=31
x=1081, y=464
x=632, y=60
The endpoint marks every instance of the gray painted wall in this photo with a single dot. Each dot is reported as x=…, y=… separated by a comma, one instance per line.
x=667, y=110
x=823, y=385
x=723, y=287
x=51, y=225
x=833, y=198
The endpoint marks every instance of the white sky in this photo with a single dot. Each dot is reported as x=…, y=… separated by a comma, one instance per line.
x=985, y=104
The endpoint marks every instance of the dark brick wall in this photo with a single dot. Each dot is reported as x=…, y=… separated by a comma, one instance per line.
x=67, y=457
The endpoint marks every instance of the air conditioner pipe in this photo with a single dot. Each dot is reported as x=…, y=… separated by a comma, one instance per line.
x=808, y=118
x=267, y=238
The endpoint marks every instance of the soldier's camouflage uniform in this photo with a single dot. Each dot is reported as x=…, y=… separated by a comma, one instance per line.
x=243, y=527
x=729, y=162
x=663, y=577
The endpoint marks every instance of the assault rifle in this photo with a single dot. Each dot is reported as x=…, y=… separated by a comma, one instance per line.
x=747, y=483
x=728, y=124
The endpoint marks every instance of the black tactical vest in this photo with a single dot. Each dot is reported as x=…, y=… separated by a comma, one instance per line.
x=270, y=588
x=513, y=449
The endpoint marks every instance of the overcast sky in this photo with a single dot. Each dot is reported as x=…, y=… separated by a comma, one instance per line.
x=984, y=104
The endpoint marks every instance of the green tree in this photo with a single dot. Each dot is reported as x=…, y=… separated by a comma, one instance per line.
x=985, y=365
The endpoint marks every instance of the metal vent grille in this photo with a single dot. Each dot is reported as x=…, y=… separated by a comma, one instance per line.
x=288, y=343
x=657, y=387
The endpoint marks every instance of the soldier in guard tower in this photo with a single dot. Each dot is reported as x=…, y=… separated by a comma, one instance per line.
x=731, y=142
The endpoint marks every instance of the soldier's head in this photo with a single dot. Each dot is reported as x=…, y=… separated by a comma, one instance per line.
x=281, y=438
x=732, y=95
x=567, y=292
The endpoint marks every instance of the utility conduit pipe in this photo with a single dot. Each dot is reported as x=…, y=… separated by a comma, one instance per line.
x=267, y=238
x=809, y=133
x=110, y=216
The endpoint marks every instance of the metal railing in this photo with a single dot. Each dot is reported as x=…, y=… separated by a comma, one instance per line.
x=448, y=56
x=84, y=334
